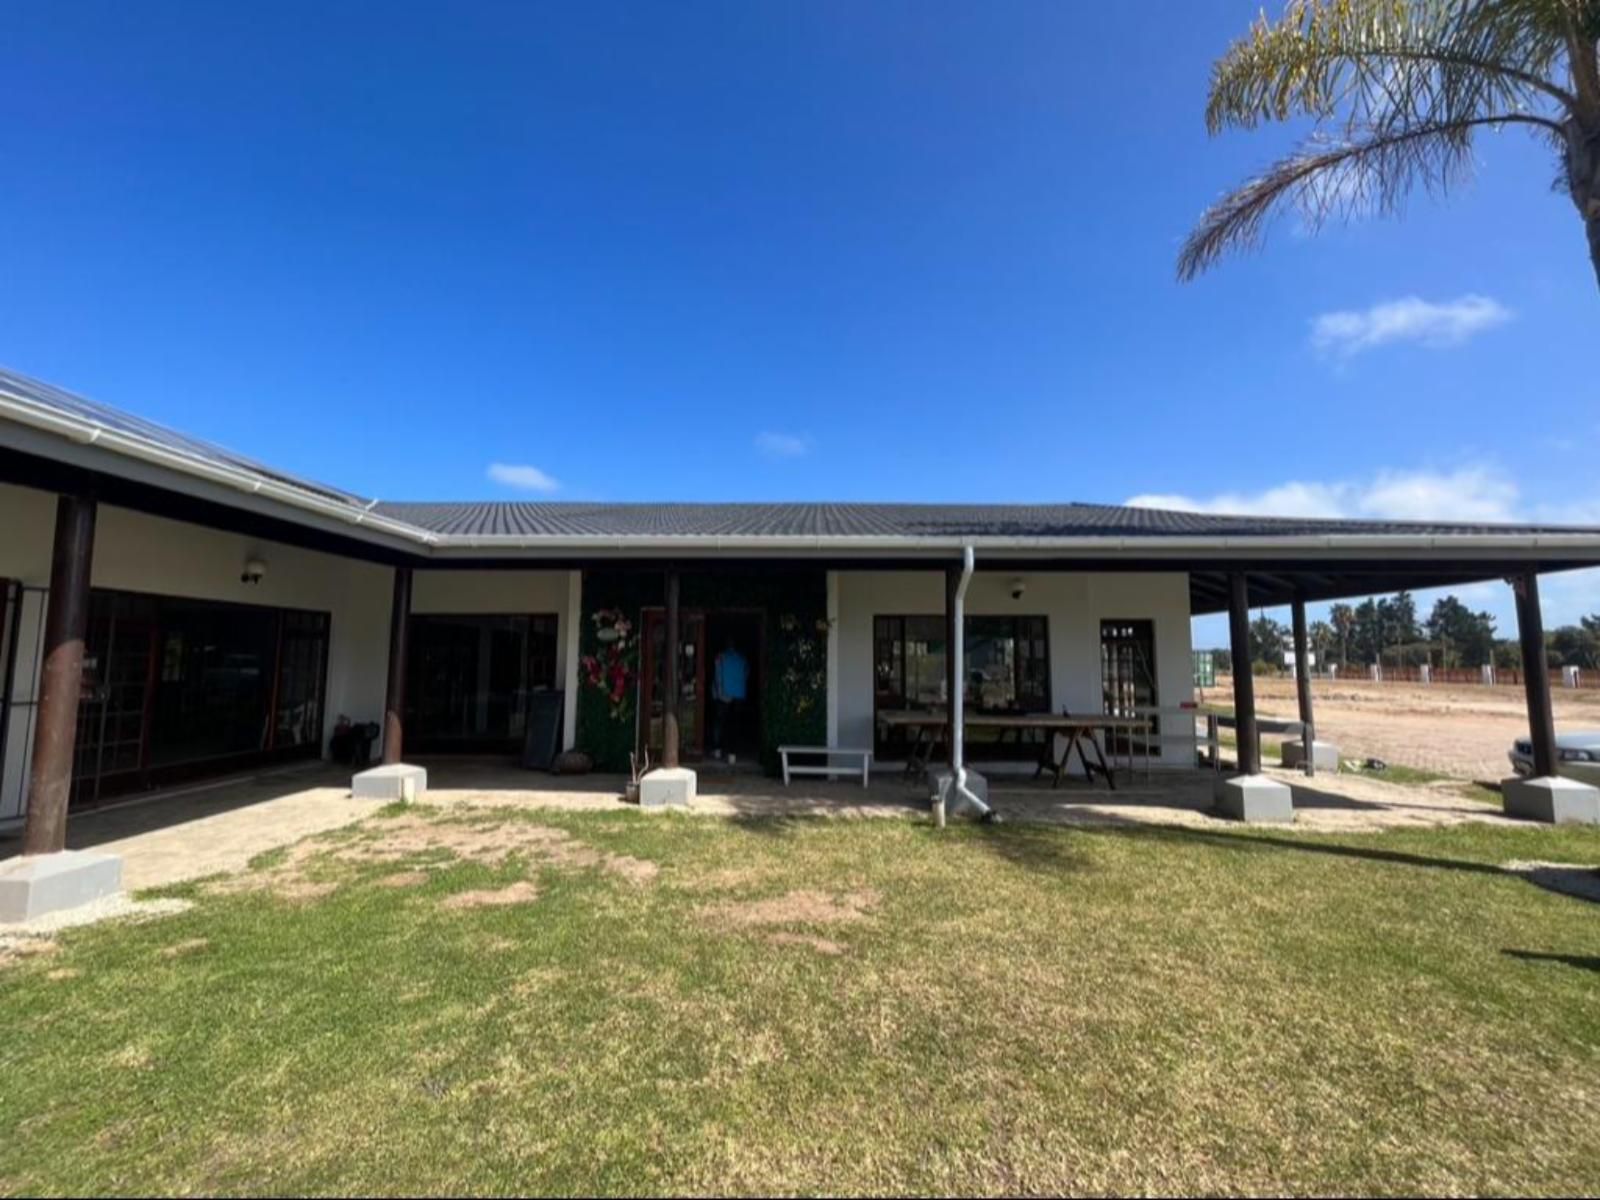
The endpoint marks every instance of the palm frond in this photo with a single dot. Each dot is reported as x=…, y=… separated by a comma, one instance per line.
x=1371, y=169
x=1392, y=64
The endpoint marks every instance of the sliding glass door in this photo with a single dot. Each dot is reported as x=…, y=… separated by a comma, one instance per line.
x=176, y=688
x=468, y=678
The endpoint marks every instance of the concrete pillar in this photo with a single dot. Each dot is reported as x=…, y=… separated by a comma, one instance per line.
x=394, y=704
x=1547, y=796
x=1249, y=795
x=65, y=626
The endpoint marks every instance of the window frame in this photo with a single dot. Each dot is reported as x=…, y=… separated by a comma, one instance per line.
x=893, y=627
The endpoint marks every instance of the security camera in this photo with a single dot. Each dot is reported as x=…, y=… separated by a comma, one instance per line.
x=1018, y=586
x=254, y=571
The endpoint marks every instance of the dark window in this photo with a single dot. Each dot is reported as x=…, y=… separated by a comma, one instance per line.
x=174, y=687
x=302, y=664
x=468, y=677
x=1007, y=671
x=1128, y=670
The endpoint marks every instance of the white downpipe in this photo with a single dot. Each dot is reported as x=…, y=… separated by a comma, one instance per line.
x=958, y=649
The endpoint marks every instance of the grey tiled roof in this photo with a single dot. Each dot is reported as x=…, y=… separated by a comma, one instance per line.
x=536, y=519
x=532, y=520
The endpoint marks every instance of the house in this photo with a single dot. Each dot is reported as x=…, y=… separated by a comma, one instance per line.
x=175, y=611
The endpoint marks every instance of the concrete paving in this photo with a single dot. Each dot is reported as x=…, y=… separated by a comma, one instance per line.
x=170, y=837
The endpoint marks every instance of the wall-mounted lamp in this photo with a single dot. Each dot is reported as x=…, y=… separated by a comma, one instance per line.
x=1019, y=585
x=254, y=571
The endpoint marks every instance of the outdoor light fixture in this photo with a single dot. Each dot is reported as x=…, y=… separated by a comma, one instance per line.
x=254, y=571
x=1018, y=586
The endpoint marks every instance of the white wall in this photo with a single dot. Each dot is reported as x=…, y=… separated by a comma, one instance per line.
x=1073, y=604
x=141, y=553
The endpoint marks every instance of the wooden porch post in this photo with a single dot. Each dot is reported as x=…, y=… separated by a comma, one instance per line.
x=66, y=622
x=1244, y=690
x=669, y=701
x=394, y=706
x=1302, y=681
x=1535, y=675
x=952, y=669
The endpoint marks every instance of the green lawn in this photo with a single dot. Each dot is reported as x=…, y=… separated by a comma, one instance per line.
x=825, y=1005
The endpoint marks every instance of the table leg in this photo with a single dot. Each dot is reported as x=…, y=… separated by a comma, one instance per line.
x=1111, y=779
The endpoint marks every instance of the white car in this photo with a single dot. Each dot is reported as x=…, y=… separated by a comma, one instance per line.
x=1577, y=754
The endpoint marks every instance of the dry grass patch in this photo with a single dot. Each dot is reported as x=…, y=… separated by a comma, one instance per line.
x=302, y=871
x=17, y=949
x=521, y=892
x=802, y=907
x=772, y=916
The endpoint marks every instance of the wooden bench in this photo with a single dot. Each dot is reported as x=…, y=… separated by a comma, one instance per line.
x=829, y=769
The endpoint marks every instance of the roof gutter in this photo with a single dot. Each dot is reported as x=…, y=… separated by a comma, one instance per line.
x=93, y=433
x=943, y=544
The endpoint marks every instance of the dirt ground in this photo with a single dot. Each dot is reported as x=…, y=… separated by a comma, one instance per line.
x=1455, y=729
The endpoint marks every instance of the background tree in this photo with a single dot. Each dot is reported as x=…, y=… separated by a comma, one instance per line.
x=1574, y=646
x=1321, y=639
x=1464, y=638
x=1343, y=619
x=1266, y=641
x=1397, y=91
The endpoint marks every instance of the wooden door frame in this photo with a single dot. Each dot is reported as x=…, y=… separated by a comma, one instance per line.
x=647, y=668
x=704, y=613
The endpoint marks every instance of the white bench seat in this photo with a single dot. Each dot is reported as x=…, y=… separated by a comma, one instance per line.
x=864, y=763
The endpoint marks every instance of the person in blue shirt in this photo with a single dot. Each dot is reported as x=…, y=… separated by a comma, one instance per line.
x=729, y=678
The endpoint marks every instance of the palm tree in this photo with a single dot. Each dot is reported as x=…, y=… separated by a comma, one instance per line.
x=1397, y=90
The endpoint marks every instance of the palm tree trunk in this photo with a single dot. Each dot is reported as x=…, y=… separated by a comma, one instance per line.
x=1583, y=178
x=1593, y=224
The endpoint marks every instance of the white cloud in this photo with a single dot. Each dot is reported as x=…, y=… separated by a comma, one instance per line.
x=783, y=445
x=1472, y=493
x=1409, y=319
x=522, y=477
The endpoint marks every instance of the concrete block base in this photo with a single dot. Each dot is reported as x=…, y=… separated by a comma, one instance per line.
x=1254, y=798
x=943, y=789
x=667, y=787
x=398, y=781
x=1324, y=754
x=1554, y=799
x=37, y=884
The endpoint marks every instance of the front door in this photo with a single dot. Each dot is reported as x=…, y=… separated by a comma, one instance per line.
x=691, y=680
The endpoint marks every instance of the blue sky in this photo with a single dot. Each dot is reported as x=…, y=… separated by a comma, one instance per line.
x=766, y=251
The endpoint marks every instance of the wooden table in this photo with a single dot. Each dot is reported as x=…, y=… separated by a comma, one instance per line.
x=1079, y=732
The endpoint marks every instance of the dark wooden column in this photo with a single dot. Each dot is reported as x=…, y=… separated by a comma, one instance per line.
x=670, y=689
x=61, y=680
x=1302, y=683
x=1535, y=674
x=394, y=705
x=952, y=669
x=1244, y=688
